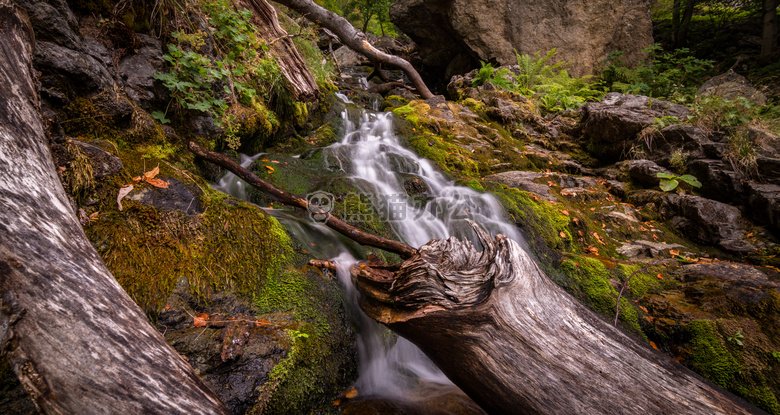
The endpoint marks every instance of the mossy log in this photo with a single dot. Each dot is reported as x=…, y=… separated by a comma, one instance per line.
x=77, y=342
x=517, y=343
x=356, y=40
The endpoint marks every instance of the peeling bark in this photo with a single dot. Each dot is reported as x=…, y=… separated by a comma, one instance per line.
x=517, y=343
x=356, y=40
x=75, y=339
x=304, y=87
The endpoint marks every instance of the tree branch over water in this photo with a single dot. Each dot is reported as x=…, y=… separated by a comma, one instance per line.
x=401, y=249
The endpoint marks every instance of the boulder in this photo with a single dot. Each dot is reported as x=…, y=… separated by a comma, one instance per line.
x=137, y=71
x=645, y=172
x=707, y=221
x=71, y=67
x=453, y=36
x=523, y=180
x=103, y=163
x=686, y=138
x=645, y=249
x=177, y=196
x=718, y=180
x=611, y=124
x=52, y=21
x=732, y=85
x=764, y=203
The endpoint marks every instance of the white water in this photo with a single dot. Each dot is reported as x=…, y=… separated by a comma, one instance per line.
x=372, y=155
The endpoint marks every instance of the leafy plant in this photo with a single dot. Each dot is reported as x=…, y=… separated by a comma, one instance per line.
x=741, y=152
x=776, y=355
x=500, y=77
x=207, y=80
x=678, y=160
x=664, y=74
x=737, y=338
x=670, y=181
x=716, y=113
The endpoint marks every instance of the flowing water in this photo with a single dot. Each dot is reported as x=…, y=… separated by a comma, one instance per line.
x=372, y=155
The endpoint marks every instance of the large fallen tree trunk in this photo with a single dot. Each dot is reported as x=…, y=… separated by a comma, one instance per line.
x=77, y=342
x=516, y=343
x=356, y=40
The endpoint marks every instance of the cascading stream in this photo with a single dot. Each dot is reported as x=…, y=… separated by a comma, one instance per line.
x=373, y=157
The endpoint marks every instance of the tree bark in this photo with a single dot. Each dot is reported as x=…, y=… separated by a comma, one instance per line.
x=517, y=343
x=681, y=36
x=356, y=40
x=769, y=27
x=291, y=63
x=403, y=250
x=75, y=339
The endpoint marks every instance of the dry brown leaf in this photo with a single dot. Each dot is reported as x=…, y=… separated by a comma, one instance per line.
x=200, y=320
x=157, y=183
x=659, y=276
x=565, y=212
x=351, y=393
x=270, y=169
x=674, y=252
x=124, y=191
x=563, y=235
x=652, y=344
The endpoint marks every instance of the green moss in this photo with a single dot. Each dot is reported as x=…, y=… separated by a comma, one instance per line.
x=413, y=112
x=726, y=364
x=312, y=373
x=78, y=175
x=589, y=280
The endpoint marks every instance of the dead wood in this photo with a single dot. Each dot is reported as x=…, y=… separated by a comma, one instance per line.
x=76, y=341
x=517, y=343
x=403, y=250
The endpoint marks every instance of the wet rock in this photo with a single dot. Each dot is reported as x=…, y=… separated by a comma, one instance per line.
x=72, y=68
x=764, y=203
x=103, y=163
x=645, y=172
x=707, y=221
x=622, y=216
x=609, y=125
x=427, y=399
x=523, y=180
x=769, y=169
x=719, y=181
x=348, y=57
x=731, y=85
x=646, y=249
x=178, y=196
x=138, y=69
x=231, y=353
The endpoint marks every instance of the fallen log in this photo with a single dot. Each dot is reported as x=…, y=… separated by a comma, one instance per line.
x=403, y=250
x=76, y=341
x=356, y=40
x=517, y=343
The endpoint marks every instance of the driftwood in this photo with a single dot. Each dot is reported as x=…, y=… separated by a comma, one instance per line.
x=403, y=250
x=356, y=40
x=516, y=343
x=77, y=342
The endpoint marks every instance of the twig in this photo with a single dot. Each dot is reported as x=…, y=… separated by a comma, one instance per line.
x=320, y=263
x=625, y=284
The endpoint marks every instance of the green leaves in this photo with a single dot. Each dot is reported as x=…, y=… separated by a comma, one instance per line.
x=736, y=338
x=670, y=181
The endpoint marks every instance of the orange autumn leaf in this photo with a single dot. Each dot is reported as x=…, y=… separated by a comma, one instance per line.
x=674, y=252
x=643, y=308
x=157, y=183
x=563, y=235
x=660, y=277
x=261, y=322
x=149, y=177
x=200, y=320
x=652, y=344
x=270, y=169
x=565, y=212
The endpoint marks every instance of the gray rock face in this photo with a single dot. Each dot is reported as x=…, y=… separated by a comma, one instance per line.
x=646, y=249
x=610, y=124
x=522, y=180
x=731, y=85
x=764, y=202
x=82, y=71
x=137, y=71
x=707, y=221
x=178, y=196
x=459, y=33
x=645, y=172
x=719, y=181
x=52, y=21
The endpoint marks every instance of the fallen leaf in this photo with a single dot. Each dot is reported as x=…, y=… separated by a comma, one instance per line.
x=660, y=277
x=750, y=235
x=157, y=183
x=270, y=169
x=264, y=160
x=643, y=309
x=274, y=161
x=563, y=235
x=124, y=191
x=351, y=393
x=652, y=344
x=565, y=212
x=261, y=322
x=200, y=320
x=674, y=252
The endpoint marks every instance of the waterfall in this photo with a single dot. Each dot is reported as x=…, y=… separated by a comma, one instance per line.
x=372, y=155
